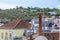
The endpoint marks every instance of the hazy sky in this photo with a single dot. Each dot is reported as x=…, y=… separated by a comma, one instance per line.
x=6, y=4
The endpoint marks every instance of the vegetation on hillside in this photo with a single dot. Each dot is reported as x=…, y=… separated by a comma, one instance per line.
x=25, y=13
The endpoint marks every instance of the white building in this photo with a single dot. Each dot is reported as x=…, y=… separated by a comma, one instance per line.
x=45, y=25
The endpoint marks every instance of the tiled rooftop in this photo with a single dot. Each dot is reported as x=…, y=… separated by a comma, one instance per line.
x=16, y=24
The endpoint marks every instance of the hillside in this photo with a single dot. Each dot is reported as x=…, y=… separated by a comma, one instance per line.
x=25, y=13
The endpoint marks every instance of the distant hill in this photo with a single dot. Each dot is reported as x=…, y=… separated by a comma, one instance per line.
x=25, y=13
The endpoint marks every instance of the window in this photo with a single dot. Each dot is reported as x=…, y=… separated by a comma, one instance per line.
x=6, y=36
x=10, y=35
x=2, y=35
x=36, y=22
x=16, y=38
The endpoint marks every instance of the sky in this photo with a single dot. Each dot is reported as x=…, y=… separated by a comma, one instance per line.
x=7, y=4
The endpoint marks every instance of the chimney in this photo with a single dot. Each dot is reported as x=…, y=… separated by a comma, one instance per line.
x=40, y=23
x=40, y=12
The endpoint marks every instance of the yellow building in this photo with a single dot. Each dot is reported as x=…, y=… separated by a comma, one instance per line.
x=13, y=30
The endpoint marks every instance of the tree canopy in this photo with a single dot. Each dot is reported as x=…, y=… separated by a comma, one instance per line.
x=25, y=13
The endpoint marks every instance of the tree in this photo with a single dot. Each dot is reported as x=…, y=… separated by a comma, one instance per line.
x=21, y=7
x=28, y=8
x=17, y=7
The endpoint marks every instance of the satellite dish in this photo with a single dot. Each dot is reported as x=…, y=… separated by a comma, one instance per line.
x=41, y=38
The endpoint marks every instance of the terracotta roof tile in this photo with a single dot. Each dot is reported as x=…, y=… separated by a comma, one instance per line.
x=17, y=24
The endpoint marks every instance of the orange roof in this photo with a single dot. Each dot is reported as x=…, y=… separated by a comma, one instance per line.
x=17, y=24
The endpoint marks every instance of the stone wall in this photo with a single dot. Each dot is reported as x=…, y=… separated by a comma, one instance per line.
x=51, y=36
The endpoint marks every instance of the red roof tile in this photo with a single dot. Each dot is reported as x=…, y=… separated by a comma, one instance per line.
x=17, y=24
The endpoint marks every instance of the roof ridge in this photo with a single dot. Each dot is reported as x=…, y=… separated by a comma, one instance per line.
x=17, y=23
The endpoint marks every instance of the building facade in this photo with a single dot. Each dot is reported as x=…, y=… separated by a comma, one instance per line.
x=13, y=30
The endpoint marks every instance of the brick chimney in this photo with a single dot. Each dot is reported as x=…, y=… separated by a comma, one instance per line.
x=40, y=23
